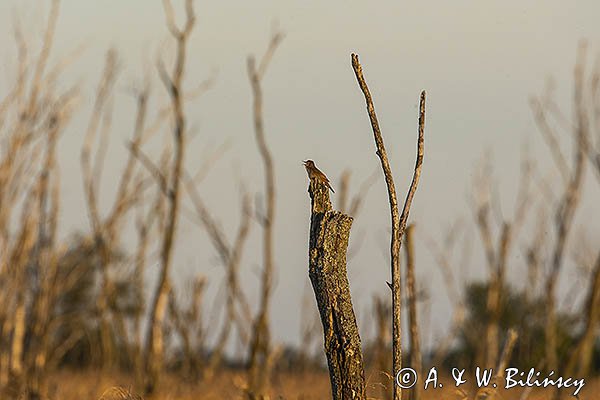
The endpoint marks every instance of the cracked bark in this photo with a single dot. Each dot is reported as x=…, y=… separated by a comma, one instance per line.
x=328, y=244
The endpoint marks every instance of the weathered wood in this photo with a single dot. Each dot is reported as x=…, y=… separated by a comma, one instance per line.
x=328, y=244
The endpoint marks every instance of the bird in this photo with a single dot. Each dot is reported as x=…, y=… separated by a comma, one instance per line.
x=315, y=173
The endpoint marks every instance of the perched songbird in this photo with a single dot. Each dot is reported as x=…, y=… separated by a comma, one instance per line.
x=315, y=173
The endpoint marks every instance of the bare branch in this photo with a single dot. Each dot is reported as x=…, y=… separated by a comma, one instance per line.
x=154, y=171
x=154, y=348
x=260, y=347
x=266, y=58
x=566, y=209
x=398, y=221
x=551, y=138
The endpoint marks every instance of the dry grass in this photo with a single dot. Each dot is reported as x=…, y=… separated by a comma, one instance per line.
x=119, y=393
x=71, y=385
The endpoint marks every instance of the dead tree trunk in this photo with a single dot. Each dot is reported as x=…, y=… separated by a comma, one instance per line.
x=153, y=352
x=328, y=243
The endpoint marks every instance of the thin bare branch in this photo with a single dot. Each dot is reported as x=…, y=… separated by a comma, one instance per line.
x=551, y=138
x=398, y=221
x=260, y=346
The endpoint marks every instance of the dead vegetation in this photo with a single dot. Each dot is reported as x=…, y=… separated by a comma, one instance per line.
x=78, y=302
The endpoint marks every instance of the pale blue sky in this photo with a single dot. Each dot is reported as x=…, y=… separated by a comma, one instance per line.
x=479, y=62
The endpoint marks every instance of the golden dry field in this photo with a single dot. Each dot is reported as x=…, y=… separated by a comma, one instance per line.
x=89, y=385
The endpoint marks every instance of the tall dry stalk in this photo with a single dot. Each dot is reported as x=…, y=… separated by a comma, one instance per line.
x=416, y=361
x=496, y=254
x=569, y=199
x=489, y=392
x=91, y=179
x=309, y=331
x=106, y=229
x=237, y=310
x=147, y=225
x=33, y=115
x=154, y=349
x=352, y=205
x=383, y=361
x=398, y=221
x=445, y=262
x=260, y=342
x=187, y=323
x=587, y=97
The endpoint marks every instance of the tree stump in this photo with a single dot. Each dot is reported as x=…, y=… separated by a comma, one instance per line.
x=328, y=244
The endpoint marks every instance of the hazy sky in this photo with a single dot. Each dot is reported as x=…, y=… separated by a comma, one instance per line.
x=479, y=62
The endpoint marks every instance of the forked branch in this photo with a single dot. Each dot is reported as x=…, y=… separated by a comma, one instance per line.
x=398, y=221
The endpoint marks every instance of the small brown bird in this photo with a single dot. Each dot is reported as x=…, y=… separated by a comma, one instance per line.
x=315, y=173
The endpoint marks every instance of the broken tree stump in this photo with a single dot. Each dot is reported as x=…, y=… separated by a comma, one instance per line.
x=328, y=244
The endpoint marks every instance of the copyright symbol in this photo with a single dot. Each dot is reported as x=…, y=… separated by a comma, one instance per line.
x=406, y=378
